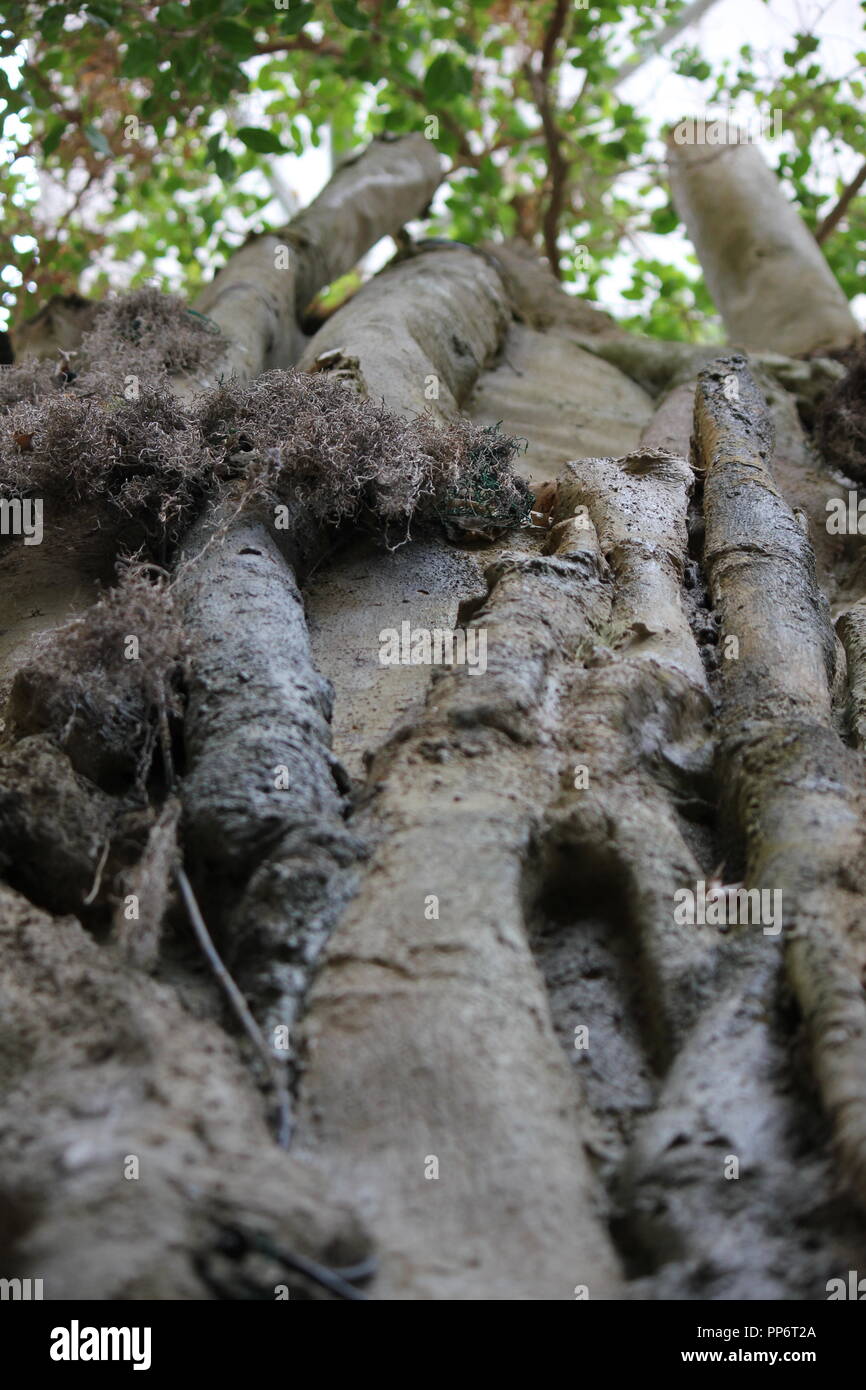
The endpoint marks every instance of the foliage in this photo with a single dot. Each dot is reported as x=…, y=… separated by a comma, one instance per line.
x=156, y=120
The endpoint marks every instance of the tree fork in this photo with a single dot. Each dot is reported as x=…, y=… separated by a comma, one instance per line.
x=258, y=297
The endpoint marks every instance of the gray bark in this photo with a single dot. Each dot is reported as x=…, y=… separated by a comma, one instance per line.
x=263, y=813
x=791, y=788
x=764, y=269
x=431, y=935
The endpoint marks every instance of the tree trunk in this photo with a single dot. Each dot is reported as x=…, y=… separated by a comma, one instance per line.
x=505, y=1067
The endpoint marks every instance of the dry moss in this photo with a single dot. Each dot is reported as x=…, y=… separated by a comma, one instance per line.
x=149, y=335
x=294, y=438
x=840, y=428
x=144, y=335
x=144, y=459
x=103, y=425
x=30, y=380
x=308, y=442
x=102, y=685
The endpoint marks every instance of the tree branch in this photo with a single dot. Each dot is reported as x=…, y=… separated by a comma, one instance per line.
x=553, y=137
x=302, y=43
x=835, y=215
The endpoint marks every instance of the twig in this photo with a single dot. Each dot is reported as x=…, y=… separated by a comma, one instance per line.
x=239, y=1004
x=540, y=84
x=165, y=740
x=334, y=1280
x=91, y=896
x=835, y=215
x=302, y=43
x=653, y=45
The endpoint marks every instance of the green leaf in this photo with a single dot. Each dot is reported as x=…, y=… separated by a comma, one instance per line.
x=52, y=139
x=224, y=165
x=663, y=220
x=806, y=43
x=103, y=14
x=141, y=57
x=52, y=21
x=293, y=21
x=173, y=15
x=235, y=37
x=262, y=141
x=97, y=140
x=348, y=14
x=187, y=59
x=462, y=79
x=439, y=78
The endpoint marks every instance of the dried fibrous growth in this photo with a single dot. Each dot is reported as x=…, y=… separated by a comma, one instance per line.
x=80, y=727
x=31, y=379
x=841, y=421
x=149, y=334
x=311, y=443
x=142, y=459
x=116, y=436
x=103, y=687
x=143, y=336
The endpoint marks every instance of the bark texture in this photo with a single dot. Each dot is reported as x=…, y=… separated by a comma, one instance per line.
x=428, y=1035
x=449, y=895
x=132, y=1143
x=434, y=972
x=792, y=790
x=263, y=818
x=418, y=335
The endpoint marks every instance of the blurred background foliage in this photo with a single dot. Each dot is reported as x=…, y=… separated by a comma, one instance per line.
x=142, y=142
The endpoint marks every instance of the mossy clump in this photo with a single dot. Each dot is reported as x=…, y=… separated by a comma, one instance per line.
x=306, y=441
x=490, y=498
x=104, y=685
x=142, y=459
x=840, y=427
x=137, y=340
x=30, y=380
x=149, y=335
x=109, y=431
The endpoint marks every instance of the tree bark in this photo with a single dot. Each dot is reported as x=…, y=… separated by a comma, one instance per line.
x=426, y=942
x=791, y=789
x=764, y=269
